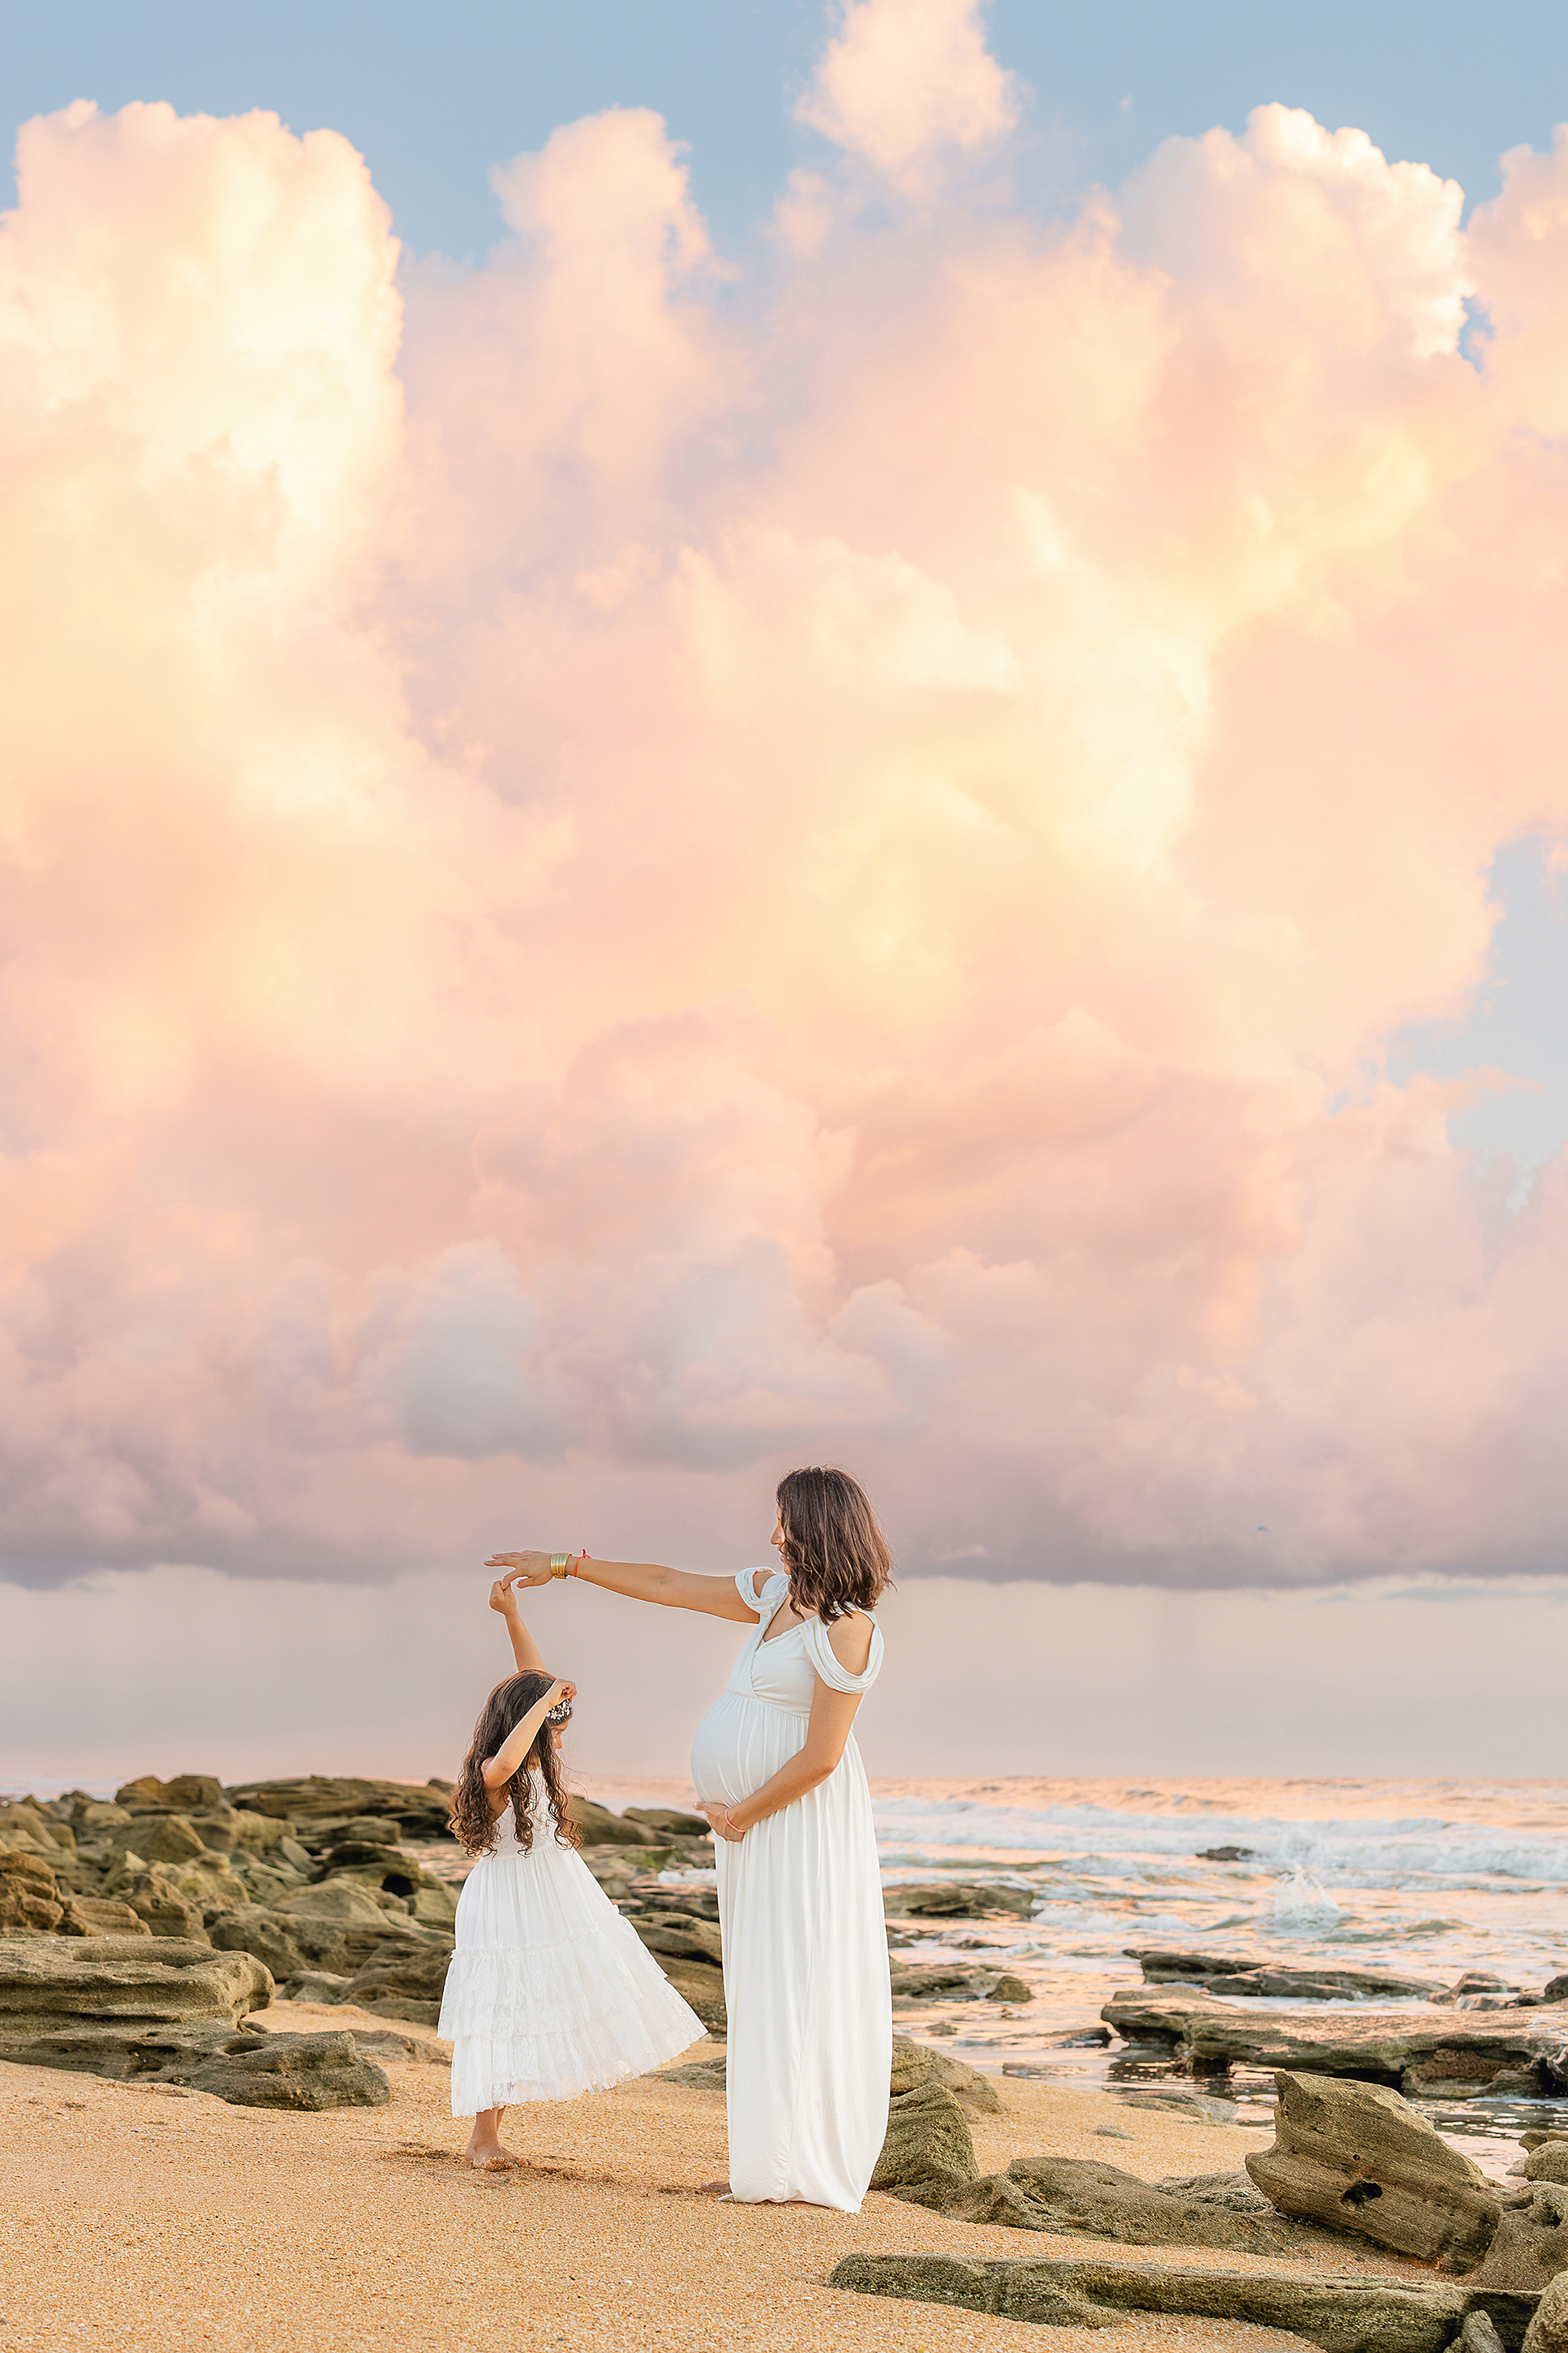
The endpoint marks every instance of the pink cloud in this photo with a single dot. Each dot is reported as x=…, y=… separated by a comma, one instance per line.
x=619, y=870
x=905, y=82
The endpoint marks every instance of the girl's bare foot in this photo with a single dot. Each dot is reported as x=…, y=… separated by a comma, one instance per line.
x=485, y=2152
x=712, y=2189
x=490, y=2156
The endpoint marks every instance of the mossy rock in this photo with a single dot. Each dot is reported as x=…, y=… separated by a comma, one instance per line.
x=928, y=2151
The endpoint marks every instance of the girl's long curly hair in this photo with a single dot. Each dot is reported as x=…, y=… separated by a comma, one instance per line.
x=471, y=1821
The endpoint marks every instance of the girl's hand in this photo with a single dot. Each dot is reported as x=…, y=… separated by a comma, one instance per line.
x=526, y=1567
x=560, y=1689
x=502, y=1598
x=720, y=1822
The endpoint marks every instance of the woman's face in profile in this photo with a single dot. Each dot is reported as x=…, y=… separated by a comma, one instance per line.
x=777, y=1537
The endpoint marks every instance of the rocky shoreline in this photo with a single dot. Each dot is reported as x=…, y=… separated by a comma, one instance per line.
x=198, y=1937
x=315, y=1883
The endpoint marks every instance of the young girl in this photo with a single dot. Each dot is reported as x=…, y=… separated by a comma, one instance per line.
x=550, y=1992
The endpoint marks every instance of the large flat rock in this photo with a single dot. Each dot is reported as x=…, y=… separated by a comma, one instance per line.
x=1341, y=2315
x=1434, y=2052
x=599, y=1826
x=333, y=1899
x=1166, y=2015
x=322, y=1797
x=956, y=1981
x=1083, y=2197
x=300, y=2072
x=1235, y=1973
x=130, y=1980
x=956, y=1899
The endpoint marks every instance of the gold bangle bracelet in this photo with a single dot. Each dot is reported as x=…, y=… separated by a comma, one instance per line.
x=560, y=1562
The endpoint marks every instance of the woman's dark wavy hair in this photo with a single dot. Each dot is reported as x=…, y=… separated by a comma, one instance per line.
x=470, y=1822
x=836, y=1553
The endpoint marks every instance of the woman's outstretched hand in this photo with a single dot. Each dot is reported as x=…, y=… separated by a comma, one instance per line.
x=720, y=1823
x=523, y=1568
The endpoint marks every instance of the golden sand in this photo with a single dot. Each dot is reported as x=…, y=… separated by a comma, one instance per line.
x=160, y=2219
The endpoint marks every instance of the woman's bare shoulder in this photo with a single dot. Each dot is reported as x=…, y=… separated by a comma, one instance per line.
x=850, y=1641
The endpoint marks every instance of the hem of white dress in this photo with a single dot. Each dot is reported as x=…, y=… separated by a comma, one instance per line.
x=521, y=2093
x=796, y=2197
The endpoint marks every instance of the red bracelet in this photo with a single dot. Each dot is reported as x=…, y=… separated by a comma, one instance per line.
x=577, y=1563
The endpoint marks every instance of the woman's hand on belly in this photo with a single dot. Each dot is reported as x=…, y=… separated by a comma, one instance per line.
x=816, y=1761
x=718, y=1820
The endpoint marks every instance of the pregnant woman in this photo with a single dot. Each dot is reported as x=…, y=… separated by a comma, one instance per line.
x=800, y=1894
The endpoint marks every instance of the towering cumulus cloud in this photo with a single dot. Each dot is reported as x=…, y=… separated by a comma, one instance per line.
x=632, y=865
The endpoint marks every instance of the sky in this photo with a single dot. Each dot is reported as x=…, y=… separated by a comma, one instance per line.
x=1390, y=1681
x=434, y=100
x=835, y=736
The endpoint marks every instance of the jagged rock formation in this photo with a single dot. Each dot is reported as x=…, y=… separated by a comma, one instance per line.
x=1356, y=2158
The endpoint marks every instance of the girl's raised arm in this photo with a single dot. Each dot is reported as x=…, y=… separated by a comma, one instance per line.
x=640, y=1580
x=524, y=1648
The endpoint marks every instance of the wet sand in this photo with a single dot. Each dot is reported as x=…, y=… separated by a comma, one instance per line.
x=160, y=2219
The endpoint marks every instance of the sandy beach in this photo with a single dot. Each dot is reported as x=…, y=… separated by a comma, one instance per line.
x=163, y=2219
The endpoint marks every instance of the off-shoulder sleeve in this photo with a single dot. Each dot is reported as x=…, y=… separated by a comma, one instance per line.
x=751, y=1585
x=820, y=1651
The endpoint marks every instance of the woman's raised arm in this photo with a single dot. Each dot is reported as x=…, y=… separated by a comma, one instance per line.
x=640, y=1580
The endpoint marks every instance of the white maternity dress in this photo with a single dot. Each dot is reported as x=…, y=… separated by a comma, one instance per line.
x=805, y=1948
x=550, y=1992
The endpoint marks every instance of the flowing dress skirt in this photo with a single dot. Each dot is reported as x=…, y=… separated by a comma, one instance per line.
x=550, y=1992
x=806, y=1966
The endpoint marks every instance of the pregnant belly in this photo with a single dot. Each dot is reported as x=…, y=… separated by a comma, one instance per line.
x=739, y=1744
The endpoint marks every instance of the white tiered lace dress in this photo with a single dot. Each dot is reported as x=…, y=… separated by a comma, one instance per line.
x=550, y=1992
x=805, y=1946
